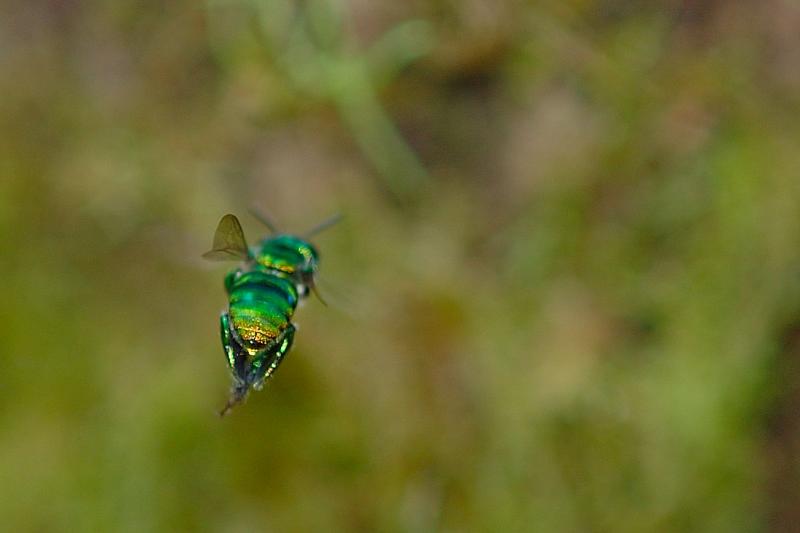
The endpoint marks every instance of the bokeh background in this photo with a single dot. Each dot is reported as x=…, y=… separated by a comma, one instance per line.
x=565, y=295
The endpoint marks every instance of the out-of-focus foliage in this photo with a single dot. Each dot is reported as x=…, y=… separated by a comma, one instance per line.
x=565, y=297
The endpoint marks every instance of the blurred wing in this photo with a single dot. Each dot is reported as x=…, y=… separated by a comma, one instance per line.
x=229, y=243
x=342, y=299
x=322, y=226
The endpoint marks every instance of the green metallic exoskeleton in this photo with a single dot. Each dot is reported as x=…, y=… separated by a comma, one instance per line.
x=256, y=329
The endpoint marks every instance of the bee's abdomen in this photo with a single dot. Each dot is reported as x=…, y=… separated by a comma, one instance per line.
x=261, y=306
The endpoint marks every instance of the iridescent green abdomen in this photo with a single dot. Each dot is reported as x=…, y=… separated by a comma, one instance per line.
x=260, y=306
x=256, y=329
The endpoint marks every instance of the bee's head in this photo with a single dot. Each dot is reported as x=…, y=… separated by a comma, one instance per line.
x=295, y=257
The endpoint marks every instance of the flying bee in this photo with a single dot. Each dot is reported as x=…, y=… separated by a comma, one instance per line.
x=256, y=328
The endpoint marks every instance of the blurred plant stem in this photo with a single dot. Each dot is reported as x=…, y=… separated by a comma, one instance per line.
x=307, y=42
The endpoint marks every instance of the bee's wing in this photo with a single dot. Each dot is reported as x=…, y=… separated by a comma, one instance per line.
x=229, y=242
x=322, y=226
x=345, y=300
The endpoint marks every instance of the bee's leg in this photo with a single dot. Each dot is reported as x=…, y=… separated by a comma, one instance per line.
x=284, y=345
x=236, y=363
x=263, y=367
x=238, y=393
x=231, y=346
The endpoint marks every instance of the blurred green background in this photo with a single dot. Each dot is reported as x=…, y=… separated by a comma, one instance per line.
x=565, y=296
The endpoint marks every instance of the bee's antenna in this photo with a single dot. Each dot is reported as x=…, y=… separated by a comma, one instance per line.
x=263, y=218
x=325, y=224
x=314, y=289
